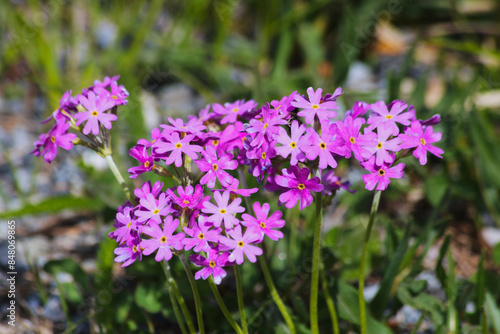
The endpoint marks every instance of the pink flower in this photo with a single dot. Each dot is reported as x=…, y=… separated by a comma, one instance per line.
x=191, y=198
x=125, y=224
x=358, y=109
x=201, y=235
x=284, y=106
x=213, y=264
x=129, y=252
x=162, y=240
x=118, y=94
x=140, y=153
x=260, y=158
x=294, y=144
x=314, y=107
x=354, y=141
x=141, y=193
x=177, y=146
x=383, y=147
x=57, y=136
x=389, y=118
x=242, y=245
x=331, y=183
x=231, y=111
x=262, y=224
x=223, y=211
x=300, y=187
x=192, y=127
x=267, y=126
x=381, y=174
x=324, y=146
x=95, y=114
x=155, y=135
x=66, y=104
x=215, y=168
x=154, y=209
x=415, y=136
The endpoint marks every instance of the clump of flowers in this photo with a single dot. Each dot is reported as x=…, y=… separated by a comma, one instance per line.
x=291, y=146
x=90, y=113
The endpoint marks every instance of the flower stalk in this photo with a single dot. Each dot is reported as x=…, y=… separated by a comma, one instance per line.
x=197, y=300
x=361, y=281
x=223, y=307
x=313, y=308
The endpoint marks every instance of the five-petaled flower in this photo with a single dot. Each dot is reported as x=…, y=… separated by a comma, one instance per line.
x=162, y=240
x=95, y=114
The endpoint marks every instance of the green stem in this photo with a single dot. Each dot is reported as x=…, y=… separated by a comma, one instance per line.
x=329, y=301
x=119, y=178
x=313, y=314
x=361, y=281
x=197, y=300
x=223, y=307
x=265, y=270
x=241, y=305
x=176, y=297
x=276, y=297
x=419, y=322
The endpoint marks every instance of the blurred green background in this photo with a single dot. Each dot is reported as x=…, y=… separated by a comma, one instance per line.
x=441, y=223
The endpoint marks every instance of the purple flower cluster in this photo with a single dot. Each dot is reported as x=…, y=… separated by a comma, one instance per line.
x=291, y=146
x=213, y=230
x=94, y=107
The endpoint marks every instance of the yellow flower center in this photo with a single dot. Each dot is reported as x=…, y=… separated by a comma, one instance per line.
x=243, y=139
x=422, y=141
x=163, y=239
x=381, y=172
x=129, y=224
x=201, y=236
x=379, y=145
x=315, y=106
x=301, y=186
x=215, y=142
x=223, y=211
x=352, y=140
x=178, y=145
x=94, y=113
x=185, y=201
x=388, y=116
x=215, y=167
x=322, y=145
x=264, y=155
x=134, y=249
x=293, y=144
x=53, y=139
x=262, y=224
x=235, y=109
x=211, y=264
x=241, y=244
x=266, y=125
x=114, y=97
x=146, y=164
x=156, y=212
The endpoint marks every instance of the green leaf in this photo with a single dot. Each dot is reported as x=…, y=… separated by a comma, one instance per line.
x=381, y=299
x=72, y=293
x=440, y=272
x=492, y=311
x=150, y=297
x=496, y=253
x=56, y=204
x=435, y=189
x=67, y=266
x=423, y=302
x=348, y=308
